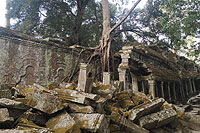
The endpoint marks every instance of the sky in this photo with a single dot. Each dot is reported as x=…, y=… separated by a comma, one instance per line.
x=3, y=10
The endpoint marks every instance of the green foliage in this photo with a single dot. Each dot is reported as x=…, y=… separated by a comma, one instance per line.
x=161, y=22
x=180, y=19
x=75, y=21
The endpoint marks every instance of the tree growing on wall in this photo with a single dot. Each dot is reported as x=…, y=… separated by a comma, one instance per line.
x=75, y=21
x=105, y=42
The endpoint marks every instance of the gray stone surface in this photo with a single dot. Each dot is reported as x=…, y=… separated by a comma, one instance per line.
x=61, y=123
x=5, y=102
x=158, y=119
x=41, y=100
x=91, y=122
x=5, y=119
x=145, y=109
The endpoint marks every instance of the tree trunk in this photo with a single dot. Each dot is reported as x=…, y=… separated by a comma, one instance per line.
x=7, y=18
x=106, y=35
x=81, y=5
x=106, y=40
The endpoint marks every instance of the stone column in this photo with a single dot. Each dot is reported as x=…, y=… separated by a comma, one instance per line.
x=169, y=93
x=142, y=86
x=122, y=76
x=174, y=90
x=182, y=91
x=162, y=89
x=106, y=78
x=195, y=91
x=152, y=87
x=191, y=89
x=186, y=88
x=122, y=69
x=82, y=77
x=134, y=83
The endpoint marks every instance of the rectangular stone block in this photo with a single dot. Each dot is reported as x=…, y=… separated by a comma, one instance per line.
x=61, y=123
x=41, y=99
x=158, y=119
x=5, y=119
x=145, y=109
x=91, y=122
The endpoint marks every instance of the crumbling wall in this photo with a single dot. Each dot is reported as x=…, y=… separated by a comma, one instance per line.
x=23, y=61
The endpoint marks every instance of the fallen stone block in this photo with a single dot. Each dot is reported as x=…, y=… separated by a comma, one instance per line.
x=145, y=109
x=103, y=90
x=15, y=113
x=6, y=91
x=127, y=124
x=114, y=128
x=158, y=119
x=71, y=86
x=76, y=108
x=91, y=122
x=41, y=100
x=26, y=124
x=191, y=121
x=26, y=131
x=37, y=117
x=70, y=95
x=125, y=100
x=5, y=119
x=76, y=96
x=8, y=103
x=140, y=98
x=61, y=123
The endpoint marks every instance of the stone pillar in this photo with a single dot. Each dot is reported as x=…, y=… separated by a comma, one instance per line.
x=191, y=89
x=182, y=91
x=195, y=91
x=152, y=87
x=125, y=58
x=169, y=93
x=174, y=90
x=134, y=83
x=162, y=89
x=142, y=86
x=106, y=78
x=186, y=89
x=122, y=76
x=82, y=77
x=122, y=69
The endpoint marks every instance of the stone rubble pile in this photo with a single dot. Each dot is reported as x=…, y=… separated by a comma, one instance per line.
x=61, y=108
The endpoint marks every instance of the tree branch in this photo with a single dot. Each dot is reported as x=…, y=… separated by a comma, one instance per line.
x=124, y=18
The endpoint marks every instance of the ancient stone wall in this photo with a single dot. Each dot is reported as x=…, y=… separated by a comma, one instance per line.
x=23, y=61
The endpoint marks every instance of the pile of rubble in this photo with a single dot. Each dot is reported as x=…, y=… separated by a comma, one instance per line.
x=61, y=108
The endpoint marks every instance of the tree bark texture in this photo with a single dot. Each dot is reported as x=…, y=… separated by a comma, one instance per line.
x=106, y=34
x=106, y=40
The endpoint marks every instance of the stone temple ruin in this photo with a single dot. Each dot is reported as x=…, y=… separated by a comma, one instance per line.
x=149, y=69
x=158, y=72
x=47, y=86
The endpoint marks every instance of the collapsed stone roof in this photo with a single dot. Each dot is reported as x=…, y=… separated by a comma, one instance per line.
x=159, y=62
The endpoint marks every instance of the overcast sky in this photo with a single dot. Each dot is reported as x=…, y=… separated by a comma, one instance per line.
x=3, y=10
